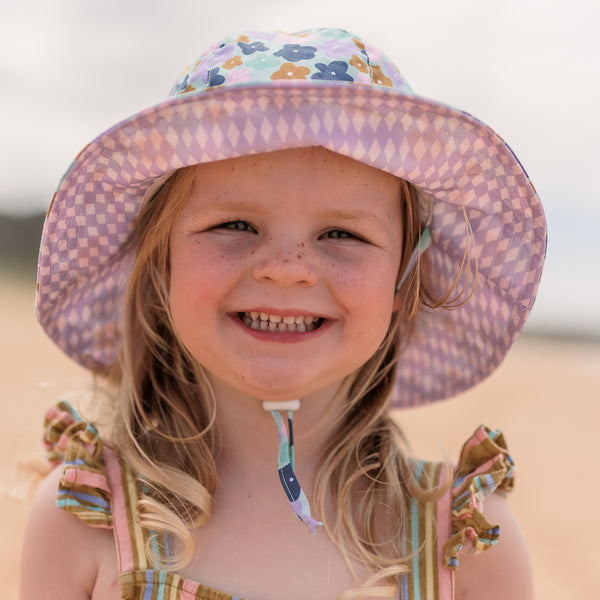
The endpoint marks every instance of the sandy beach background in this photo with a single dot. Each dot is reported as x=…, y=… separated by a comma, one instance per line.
x=544, y=396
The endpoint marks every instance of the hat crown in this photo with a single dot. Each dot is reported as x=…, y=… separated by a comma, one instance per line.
x=313, y=56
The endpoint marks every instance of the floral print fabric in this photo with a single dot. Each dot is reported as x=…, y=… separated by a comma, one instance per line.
x=313, y=56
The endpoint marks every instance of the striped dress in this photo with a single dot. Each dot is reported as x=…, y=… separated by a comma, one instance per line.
x=103, y=492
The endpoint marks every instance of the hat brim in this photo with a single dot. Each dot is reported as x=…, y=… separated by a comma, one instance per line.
x=479, y=191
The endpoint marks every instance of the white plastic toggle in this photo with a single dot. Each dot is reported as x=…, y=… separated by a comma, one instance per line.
x=283, y=405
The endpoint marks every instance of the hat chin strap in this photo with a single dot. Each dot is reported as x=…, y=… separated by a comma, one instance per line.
x=285, y=461
x=422, y=245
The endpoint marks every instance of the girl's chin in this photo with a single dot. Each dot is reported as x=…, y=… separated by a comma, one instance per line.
x=280, y=391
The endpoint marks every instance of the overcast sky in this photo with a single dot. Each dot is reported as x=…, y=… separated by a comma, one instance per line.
x=530, y=69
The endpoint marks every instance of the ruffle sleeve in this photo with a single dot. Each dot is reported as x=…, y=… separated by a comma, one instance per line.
x=83, y=489
x=485, y=466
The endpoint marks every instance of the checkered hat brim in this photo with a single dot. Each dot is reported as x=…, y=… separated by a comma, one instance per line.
x=462, y=164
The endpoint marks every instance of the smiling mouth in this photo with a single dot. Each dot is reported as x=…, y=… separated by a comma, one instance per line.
x=277, y=323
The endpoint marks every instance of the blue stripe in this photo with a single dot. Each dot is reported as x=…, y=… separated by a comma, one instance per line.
x=154, y=543
x=414, y=521
x=149, y=585
x=460, y=499
x=404, y=587
x=75, y=463
x=70, y=502
x=84, y=498
x=161, y=585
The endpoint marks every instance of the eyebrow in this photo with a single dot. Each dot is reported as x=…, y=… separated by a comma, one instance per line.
x=225, y=204
x=338, y=214
x=242, y=206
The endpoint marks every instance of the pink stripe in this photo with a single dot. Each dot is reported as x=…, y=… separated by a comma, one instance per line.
x=63, y=442
x=79, y=476
x=444, y=531
x=188, y=590
x=479, y=436
x=119, y=512
x=487, y=468
x=57, y=414
x=52, y=413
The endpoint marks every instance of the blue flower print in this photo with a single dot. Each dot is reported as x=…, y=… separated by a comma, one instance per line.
x=252, y=47
x=296, y=52
x=179, y=87
x=335, y=70
x=213, y=78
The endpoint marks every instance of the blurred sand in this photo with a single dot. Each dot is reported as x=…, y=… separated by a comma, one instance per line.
x=546, y=398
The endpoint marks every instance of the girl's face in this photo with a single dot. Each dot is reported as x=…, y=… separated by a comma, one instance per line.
x=282, y=270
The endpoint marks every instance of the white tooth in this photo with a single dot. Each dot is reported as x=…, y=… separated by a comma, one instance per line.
x=300, y=327
x=254, y=316
x=299, y=320
x=292, y=327
x=289, y=320
x=275, y=318
x=281, y=326
x=264, y=317
x=309, y=320
x=272, y=326
x=255, y=324
x=263, y=325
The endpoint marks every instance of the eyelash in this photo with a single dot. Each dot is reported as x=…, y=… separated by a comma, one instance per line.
x=235, y=225
x=342, y=234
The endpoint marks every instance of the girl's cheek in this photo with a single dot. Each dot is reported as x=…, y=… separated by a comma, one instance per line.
x=225, y=248
x=369, y=276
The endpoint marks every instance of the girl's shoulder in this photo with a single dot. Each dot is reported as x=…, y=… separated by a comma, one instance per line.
x=505, y=571
x=483, y=524
x=61, y=554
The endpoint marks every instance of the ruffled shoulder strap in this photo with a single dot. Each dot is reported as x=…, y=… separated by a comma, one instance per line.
x=484, y=467
x=100, y=489
x=84, y=489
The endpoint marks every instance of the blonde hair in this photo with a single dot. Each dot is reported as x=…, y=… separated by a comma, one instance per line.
x=164, y=413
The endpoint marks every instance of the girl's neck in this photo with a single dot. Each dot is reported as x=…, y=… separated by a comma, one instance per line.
x=248, y=435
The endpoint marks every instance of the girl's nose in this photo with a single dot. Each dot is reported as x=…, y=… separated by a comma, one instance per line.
x=286, y=262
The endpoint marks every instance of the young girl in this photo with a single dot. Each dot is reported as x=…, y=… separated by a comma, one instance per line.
x=258, y=268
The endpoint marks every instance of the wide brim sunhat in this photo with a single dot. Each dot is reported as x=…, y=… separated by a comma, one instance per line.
x=259, y=92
